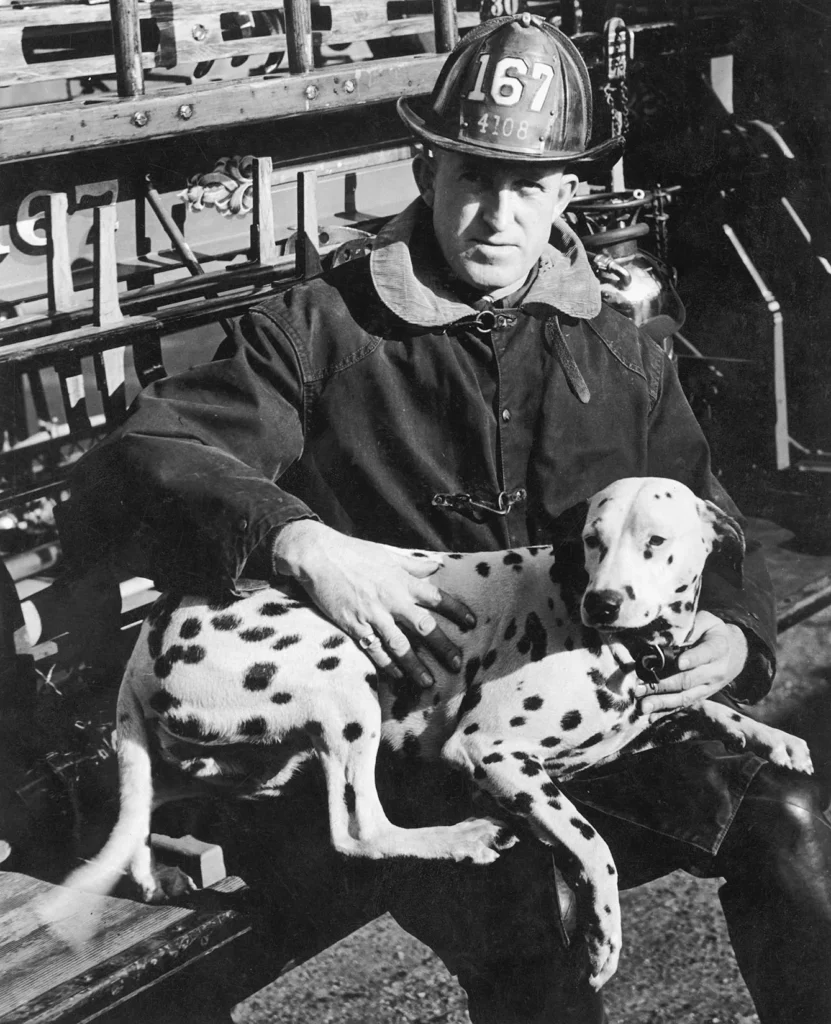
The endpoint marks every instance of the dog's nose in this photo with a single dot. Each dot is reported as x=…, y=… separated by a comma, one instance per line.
x=602, y=606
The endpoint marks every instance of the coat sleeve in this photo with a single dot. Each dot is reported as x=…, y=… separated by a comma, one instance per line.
x=678, y=449
x=184, y=491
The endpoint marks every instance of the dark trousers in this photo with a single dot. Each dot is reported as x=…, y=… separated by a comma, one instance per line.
x=499, y=929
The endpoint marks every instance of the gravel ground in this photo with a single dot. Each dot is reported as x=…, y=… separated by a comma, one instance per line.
x=677, y=965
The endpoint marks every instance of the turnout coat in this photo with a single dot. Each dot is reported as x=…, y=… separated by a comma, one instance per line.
x=395, y=408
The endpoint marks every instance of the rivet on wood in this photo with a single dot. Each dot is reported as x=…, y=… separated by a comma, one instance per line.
x=185, y=111
x=139, y=119
x=311, y=92
x=199, y=32
x=349, y=85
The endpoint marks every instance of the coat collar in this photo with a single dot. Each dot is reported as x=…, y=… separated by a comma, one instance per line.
x=421, y=293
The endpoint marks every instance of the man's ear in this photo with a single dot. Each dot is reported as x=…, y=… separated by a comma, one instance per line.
x=424, y=172
x=567, y=191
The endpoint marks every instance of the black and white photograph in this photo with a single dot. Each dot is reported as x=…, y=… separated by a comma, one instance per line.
x=415, y=512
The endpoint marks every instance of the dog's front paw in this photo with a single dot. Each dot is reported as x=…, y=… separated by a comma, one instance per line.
x=790, y=752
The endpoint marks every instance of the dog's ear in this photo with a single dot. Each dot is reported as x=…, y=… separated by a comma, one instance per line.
x=728, y=539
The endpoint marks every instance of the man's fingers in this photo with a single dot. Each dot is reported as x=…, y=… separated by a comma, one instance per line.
x=454, y=610
x=419, y=566
x=443, y=649
x=685, y=699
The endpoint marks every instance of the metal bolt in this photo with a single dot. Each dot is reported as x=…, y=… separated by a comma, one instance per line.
x=311, y=92
x=349, y=85
x=185, y=111
x=139, y=119
x=199, y=32
x=525, y=20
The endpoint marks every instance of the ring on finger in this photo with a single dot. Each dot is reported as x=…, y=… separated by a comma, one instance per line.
x=368, y=640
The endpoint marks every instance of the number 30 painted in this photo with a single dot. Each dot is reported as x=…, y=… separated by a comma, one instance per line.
x=506, y=89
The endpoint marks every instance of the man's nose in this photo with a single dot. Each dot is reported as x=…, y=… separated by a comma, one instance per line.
x=498, y=209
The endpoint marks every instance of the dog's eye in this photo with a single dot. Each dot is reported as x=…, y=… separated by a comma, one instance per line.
x=656, y=541
x=592, y=542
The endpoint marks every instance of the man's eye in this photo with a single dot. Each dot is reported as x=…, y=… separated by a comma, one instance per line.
x=592, y=542
x=656, y=541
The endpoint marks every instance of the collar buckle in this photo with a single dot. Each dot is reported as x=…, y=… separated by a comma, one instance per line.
x=475, y=508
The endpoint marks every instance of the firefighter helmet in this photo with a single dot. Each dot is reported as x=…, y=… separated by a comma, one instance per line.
x=514, y=88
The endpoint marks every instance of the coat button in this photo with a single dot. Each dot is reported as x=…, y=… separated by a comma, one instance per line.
x=506, y=415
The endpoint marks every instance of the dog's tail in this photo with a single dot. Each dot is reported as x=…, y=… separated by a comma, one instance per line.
x=69, y=914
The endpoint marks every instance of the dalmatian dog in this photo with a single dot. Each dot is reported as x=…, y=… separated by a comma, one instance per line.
x=236, y=695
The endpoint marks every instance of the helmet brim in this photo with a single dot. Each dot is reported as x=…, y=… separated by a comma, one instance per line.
x=603, y=155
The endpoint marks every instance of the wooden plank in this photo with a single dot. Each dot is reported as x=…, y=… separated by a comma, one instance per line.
x=61, y=293
x=106, y=309
x=41, y=979
x=73, y=392
x=66, y=127
x=110, y=378
x=262, y=231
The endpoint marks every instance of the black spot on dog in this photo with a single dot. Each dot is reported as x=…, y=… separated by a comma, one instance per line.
x=330, y=643
x=255, y=726
x=154, y=642
x=597, y=677
x=607, y=910
x=349, y=798
x=550, y=741
x=272, y=608
x=498, y=743
x=688, y=606
x=471, y=668
x=327, y=664
x=591, y=741
x=568, y=643
x=403, y=704
x=259, y=676
x=418, y=554
x=489, y=659
x=353, y=731
x=610, y=868
x=647, y=554
x=411, y=746
x=532, y=703
x=680, y=590
x=281, y=697
x=472, y=696
x=531, y=768
x=371, y=679
x=733, y=718
x=510, y=631
x=635, y=714
x=191, y=627
x=225, y=623
x=513, y=558
x=534, y=640
x=630, y=592
x=222, y=601
x=492, y=759
x=585, y=830
x=520, y=755
x=161, y=702
x=313, y=728
x=578, y=766
x=570, y=720
x=591, y=640
x=455, y=556
x=483, y=569
x=193, y=654
x=281, y=643
x=550, y=789
x=517, y=722
x=676, y=607
x=471, y=729
x=671, y=559
x=522, y=803
x=190, y=728
x=256, y=634
x=479, y=772
x=605, y=699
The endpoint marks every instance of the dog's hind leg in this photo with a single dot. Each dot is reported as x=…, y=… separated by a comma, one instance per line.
x=777, y=746
x=359, y=825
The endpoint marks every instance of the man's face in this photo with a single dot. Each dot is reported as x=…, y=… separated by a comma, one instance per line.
x=492, y=219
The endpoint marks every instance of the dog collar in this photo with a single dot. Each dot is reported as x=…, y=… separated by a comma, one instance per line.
x=654, y=663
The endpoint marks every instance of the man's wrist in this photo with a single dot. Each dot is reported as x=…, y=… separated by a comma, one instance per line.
x=288, y=545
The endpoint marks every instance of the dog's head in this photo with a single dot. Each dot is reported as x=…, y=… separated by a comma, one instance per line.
x=646, y=540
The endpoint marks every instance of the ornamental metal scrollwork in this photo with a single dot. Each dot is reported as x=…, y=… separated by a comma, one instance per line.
x=228, y=188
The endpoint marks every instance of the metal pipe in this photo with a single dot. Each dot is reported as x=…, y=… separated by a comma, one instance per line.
x=127, y=47
x=179, y=241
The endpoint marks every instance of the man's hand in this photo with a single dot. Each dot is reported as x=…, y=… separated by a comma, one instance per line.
x=374, y=594
x=717, y=656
